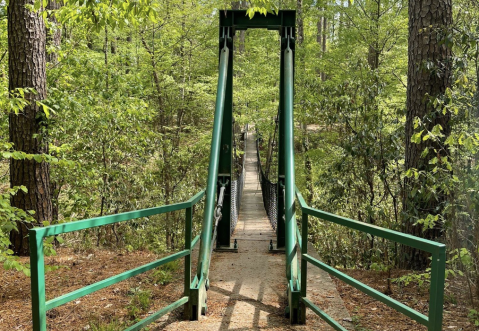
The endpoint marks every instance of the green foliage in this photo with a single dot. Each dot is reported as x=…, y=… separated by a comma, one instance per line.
x=113, y=13
x=473, y=317
x=262, y=7
x=139, y=303
x=9, y=216
x=164, y=274
x=421, y=279
x=111, y=326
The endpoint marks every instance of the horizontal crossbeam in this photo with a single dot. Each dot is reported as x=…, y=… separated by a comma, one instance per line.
x=239, y=20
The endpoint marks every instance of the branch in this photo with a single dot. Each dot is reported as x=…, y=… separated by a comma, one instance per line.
x=3, y=55
x=399, y=79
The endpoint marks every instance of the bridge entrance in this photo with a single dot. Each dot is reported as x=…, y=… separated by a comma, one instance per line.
x=220, y=216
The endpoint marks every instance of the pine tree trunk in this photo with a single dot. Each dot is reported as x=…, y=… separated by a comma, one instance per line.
x=26, y=67
x=427, y=20
x=54, y=38
x=323, y=44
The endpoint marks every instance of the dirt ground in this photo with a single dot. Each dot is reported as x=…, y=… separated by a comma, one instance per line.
x=110, y=304
x=78, y=269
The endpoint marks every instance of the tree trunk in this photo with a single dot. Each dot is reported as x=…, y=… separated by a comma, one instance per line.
x=113, y=45
x=54, y=36
x=427, y=21
x=319, y=39
x=323, y=44
x=373, y=54
x=105, y=50
x=239, y=43
x=26, y=68
x=299, y=21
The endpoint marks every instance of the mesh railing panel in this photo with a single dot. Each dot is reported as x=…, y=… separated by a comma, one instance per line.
x=270, y=193
x=237, y=189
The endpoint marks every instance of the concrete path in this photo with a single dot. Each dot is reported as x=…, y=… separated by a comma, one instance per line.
x=248, y=288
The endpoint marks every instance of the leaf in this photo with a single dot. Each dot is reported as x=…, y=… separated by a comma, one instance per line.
x=416, y=138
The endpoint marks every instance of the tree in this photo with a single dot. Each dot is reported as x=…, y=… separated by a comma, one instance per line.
x=429, y=78
x=28, y=129
x=54, y=34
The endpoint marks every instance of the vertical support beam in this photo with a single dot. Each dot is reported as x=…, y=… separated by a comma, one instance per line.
x=289, y=210
x=226, y=152
x=289, y=180
x=436, y=300
x=188, y=237
x=37, y=268
x=280, y=232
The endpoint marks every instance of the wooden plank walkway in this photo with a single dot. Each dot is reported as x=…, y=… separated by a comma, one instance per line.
x=248, y=288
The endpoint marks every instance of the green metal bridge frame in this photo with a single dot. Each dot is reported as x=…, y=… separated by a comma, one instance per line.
x=218, y=207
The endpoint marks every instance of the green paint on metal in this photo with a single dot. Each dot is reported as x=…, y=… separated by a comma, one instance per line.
x=298, y=238
x=37, y=269
x=57, y=229
x=304, y=251
x=436, y=291
x=195, y=241
x=369, y=290
x=36, y=236
x=304, y=265
x=225, y=165
x=289, y=209
x=188, y=245
x=438, y=250
x=323, y=315
x=112, y=280
x=140, y=325
x=207, y=227
x=399, y=237
x=239, y=20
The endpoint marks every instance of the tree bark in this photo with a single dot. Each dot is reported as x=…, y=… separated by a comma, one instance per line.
x=427, y=21
x=54, y=36
x=27, y=68
x=323, y=44
x=299, y=21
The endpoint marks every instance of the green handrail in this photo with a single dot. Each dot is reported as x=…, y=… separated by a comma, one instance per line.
x=207, y=227
x=290, y=217
x=36, y=236
x=438, y=251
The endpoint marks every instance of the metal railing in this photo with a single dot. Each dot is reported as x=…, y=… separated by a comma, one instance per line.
x=37, y=235
x=237, y=187
x=269, y=192
x=438, y=251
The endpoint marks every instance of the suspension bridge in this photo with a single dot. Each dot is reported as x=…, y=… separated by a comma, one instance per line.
x=255, y=267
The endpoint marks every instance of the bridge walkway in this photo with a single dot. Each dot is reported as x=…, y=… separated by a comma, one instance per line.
x=247, y=289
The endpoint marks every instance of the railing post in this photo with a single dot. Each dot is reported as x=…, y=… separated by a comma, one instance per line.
x=37, y=268
x=436, y=295
x=188, y=236
x=304, y=265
